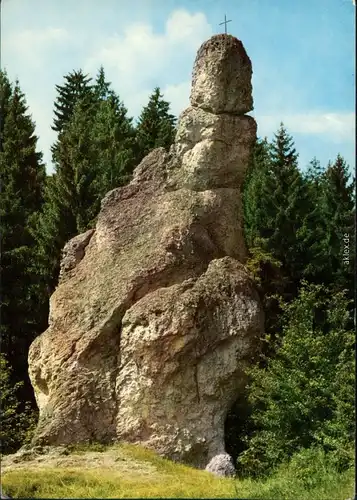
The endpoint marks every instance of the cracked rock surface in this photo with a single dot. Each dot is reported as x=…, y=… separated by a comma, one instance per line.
x=155, y=317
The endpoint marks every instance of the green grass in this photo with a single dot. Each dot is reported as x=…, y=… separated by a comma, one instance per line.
x=170, y=480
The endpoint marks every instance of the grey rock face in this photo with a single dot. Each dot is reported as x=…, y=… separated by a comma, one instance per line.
x=73, y=252
x=222, y=73
x=214, y=149
x=221, y=465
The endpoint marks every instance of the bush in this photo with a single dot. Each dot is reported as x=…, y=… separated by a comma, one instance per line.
x=16, y=428
x=305, y=395
x=311, y=466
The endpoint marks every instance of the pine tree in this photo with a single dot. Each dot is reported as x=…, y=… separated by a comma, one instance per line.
x=76, y=87
x=156, y=126
x=17, y=420
x=254, y=212
x=284, y=206
x=71, y=195
x=78, y=158
x=23, y=177
x=333, y=225
x=314, y=173
x=113, y=137
x=102, y=88
x=282, y=187
x=338, y=212
x=282, y=226
x=270, y=277
x=6, y=90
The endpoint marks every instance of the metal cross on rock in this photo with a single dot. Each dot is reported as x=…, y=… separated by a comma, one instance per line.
x=225, y=22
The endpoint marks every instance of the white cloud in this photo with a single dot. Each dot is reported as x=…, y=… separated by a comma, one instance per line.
x=336, y=127
x=141, y=59
x=31, y=47
x=178, y=96
x=188, y=29
x=37, y=39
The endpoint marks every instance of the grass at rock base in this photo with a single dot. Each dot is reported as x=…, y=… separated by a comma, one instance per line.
x=155, y=477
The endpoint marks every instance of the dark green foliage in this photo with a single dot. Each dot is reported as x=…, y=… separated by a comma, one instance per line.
x=254, y=210
x=23, y=176
x=72, y=199
x=305, y=395
x=300, y=220
x=277, y=206
x=295, y=226
x=277, y=209
x=77, y=86
x=156, y=126
x=6, y=90
x=330, y=254
x=338, y=211
x=287, y=207
x=95, y=152
x=17, y=424
x=314, y=174
x=102, y=88
x=271, y=284
x=113, y=138
x=77, y=169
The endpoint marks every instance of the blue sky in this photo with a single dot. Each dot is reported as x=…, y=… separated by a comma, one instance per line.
x=302, y=52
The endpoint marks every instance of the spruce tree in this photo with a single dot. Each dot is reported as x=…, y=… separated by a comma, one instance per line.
x=283, y=226
x=113, y=137
x=71, y=196
x=156, y=126
x=283, y=208
x=78, y=169
x=102, y=88
x=331, y=255
x=23, y=177
x=281, y=189
x=17, y=420
x=254, y=212
x=6, y=90
x=267, y=269
x=338, y=211
x=314, y=174
x=76, y=87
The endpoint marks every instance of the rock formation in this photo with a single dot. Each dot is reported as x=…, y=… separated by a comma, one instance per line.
x=221, y=465
x=155, y=317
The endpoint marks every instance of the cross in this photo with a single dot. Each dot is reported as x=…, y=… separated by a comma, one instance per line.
x=225, y=23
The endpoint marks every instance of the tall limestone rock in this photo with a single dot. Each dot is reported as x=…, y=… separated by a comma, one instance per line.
x=155, y=317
